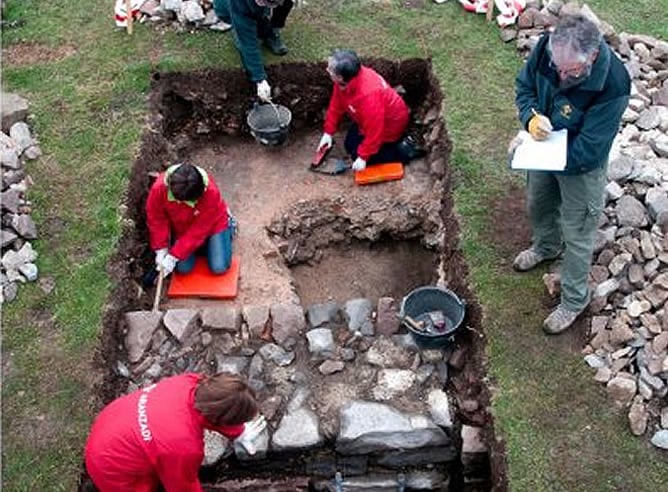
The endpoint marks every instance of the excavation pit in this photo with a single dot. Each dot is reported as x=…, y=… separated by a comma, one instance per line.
x=352, y=403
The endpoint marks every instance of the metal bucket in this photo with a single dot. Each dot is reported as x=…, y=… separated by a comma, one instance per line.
x=425, y=300
x=269, y=123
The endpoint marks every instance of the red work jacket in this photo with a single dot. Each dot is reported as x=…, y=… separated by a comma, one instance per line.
x=150, y=437
x=380, y=113
x=190, y=222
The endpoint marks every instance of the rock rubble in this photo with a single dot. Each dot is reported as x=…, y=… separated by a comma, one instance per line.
x=17, y=145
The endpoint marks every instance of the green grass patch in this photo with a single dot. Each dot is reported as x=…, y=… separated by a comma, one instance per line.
x=88, y=110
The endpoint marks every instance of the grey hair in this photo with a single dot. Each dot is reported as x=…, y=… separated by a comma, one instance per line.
x=345, y=63
x=577, y=33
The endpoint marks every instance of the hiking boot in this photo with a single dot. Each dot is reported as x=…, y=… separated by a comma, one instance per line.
x=559, y=320
x=409, y=149
x=275, y=44
x=220, y=26
x=529, y=259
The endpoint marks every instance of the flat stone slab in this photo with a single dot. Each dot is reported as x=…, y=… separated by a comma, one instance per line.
x=297, y=430
x=141, y=326
x=14, y=109
x=322, y=314
x=256, y=317
x=321, y=341
x=287, y=322
x=179, y=322
x=224, y=318
x=358, y=313
x=367, y=427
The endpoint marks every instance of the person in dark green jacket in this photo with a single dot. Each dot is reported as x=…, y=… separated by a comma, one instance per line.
x=252, y=20
x=572, y=80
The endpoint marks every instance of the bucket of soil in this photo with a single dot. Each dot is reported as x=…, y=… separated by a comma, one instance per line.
x=269, y=123
x=432, y=315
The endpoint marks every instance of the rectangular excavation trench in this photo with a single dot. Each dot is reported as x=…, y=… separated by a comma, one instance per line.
x=306, y=239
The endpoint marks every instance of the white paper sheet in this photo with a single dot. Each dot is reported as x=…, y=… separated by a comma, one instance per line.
x=546, y=155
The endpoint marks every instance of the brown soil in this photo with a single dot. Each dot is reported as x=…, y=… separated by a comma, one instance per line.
x=34, y=53
x=201, y=117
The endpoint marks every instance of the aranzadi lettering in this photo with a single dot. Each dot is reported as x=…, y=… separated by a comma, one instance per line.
x=142, y=418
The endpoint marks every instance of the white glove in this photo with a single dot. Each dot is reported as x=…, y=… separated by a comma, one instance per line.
x=264, y=91
x=325, y=140
x=359, y=164
x=251, y=431
x=168, y=264
x=160, y=255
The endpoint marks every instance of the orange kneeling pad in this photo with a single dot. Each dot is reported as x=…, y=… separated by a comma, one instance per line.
x=200, y=282
x=377, y=173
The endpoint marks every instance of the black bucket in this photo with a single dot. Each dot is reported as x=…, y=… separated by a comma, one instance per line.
x=269, y=123
x=425, y=300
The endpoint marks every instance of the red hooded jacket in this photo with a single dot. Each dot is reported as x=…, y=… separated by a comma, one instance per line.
x=191, y=222
x=150, y=437
x=380, y=113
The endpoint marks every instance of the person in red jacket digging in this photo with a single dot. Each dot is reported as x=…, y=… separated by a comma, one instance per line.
x=379, y=114
x=155, y=436
x=184, y=209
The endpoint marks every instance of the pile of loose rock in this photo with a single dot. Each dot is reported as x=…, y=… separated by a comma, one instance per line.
x=629, y=329
x=181, y=13
x=18, y=227
x=342, y=374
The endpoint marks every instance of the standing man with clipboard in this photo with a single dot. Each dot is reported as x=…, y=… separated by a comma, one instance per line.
x=572, y=80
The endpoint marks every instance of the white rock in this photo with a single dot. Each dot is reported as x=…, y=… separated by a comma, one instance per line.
x=660, y=439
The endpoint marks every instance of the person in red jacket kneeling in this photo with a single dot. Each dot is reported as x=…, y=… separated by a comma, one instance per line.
x=155, y=436
x=184, y=209
x=379, y=114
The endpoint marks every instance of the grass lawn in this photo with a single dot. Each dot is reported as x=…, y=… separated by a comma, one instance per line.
x=87, y=84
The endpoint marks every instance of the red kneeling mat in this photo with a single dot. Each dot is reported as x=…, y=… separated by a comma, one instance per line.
x=200, y=282
x=377, y=173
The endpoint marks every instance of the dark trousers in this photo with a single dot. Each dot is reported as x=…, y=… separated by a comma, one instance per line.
x=388, y=152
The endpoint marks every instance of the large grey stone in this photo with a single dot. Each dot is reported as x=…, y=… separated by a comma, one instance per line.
x=620, y=169
x=473, y=440
x=374, y=427
x=606, y=288
x=9, y=291
x=14, y=108
x=358, y=313
x=630, y=212
x=660, y=145
x=322, y=314
x=660, y=439
x=385, y=353
x=33, y=152
x=321, y=341
x=392, y=383
x=29, y=271
x=20, y=133
x=297, y=430
x=141, y=325
x=9, y=159
x=25, y=226
x=7, y=237
x=656, y=200
x=192, y=11
x=638, y=417
x=277, y=354
x=10, y=200
x=180, y=322
x=232, y=364
x=660, y=97
x=621, y=390
x=439, y=408
x=225, y=318
x=287, y=322
x=648, y=119
x=256, y=317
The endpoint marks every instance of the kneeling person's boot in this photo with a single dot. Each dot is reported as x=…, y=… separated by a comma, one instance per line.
x=409, y=149
x=275, y=44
